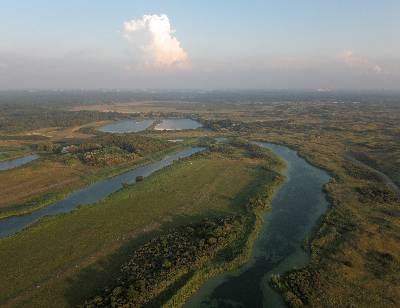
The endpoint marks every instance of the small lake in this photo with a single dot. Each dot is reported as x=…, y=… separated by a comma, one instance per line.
x=296, y=208
x=10, y=164
x=178, y=124
x=91, y=194
x=127, y=126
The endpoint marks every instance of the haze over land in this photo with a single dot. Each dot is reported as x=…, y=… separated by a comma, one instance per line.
x=225, y=44
x=200, y=153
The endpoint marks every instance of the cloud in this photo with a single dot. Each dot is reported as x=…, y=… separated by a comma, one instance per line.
x=153, y=37
x=350, y=59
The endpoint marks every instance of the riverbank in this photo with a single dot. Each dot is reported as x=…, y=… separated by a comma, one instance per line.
x=363, y=211
x=239, y=253
x=17, y=162
x=185, y=281
x=86, y=247
x=93, y=193
x=298, y=203
x=43, y=200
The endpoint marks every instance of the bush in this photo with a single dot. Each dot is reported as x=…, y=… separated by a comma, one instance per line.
x=160, y=262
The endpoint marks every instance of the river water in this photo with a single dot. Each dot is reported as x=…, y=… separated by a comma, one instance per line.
x=10, y=164
x=296, y=208
x=90, y=194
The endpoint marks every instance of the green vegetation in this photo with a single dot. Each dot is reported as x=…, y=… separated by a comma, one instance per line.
x=358, y=145
x=236, y=254
x=110, y=149
x=56, y=174
x=155, y=266
x=168, y=269
x=19, y=118
x=354, y=248
x=85, y=248
x=361, y=218
x=8, y=153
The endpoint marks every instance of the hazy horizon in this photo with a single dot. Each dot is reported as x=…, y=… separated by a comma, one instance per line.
x=345, y=45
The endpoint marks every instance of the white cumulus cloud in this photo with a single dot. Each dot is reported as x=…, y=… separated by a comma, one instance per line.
x=153, y=36
x=359, y=62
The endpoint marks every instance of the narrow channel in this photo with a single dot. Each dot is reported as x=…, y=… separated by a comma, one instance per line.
x=91, y=194
x=296, y=208
x=14, y=163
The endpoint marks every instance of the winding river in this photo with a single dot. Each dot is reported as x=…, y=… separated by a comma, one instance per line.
x=90, y=194
x=296, y=208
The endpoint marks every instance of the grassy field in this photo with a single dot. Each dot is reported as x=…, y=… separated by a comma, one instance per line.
x=38, y=178
x=50, y=178
x=355, y=251
x=355, y=248
x=9, y=153
x=71, y=255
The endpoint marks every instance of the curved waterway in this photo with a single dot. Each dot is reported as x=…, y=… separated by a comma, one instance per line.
x=90, y=194
x=10, y=164
x=296, y=208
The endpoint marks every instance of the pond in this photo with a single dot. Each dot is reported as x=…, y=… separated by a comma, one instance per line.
x=178, y=124
x=92, y=193
x=296, y=208
x=10, y=164
x=127, y=126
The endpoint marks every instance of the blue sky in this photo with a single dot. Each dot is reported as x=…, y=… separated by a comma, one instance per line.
x=227, y=44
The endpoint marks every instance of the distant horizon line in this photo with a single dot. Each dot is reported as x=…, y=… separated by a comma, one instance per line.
x=317, y=90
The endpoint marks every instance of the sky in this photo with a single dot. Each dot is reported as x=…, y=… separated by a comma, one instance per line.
x=228, y=44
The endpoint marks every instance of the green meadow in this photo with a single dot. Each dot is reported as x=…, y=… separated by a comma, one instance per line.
x=73, y=255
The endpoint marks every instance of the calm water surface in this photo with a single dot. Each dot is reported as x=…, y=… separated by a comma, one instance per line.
x=295, y=209
x=177, y=124
x=90, y=194
x=127, y=126
x=10, y=164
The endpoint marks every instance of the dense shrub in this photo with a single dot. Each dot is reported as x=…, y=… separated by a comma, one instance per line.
x=107, y=156
x=359, y=172
x=157, y=264
x=377, y=194
x=133, y=143
x=381, y=263
x=25, y=117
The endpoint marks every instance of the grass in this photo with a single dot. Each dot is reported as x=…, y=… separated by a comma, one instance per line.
x=235, y=255
x=355, y=239
x=19, y=185
x=10, y=153
x=355, y=247
x=60, y=247
x=48, y=180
